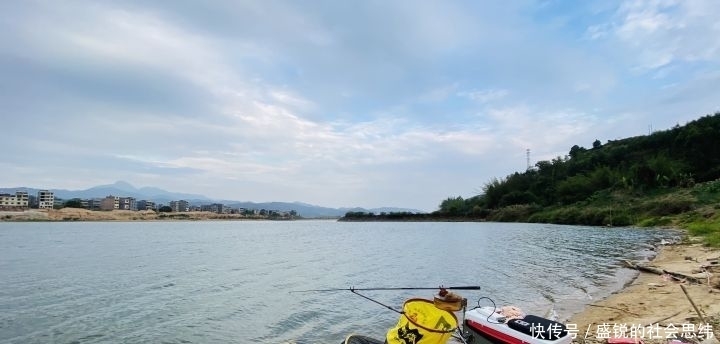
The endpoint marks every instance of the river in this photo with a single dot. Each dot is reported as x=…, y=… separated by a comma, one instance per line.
x=231, y=282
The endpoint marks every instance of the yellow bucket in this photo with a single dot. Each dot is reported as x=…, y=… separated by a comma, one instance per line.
x=422, y=323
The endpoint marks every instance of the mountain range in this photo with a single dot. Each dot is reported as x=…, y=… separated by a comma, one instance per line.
x=160, y=196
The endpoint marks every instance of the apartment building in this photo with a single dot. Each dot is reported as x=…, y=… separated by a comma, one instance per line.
x=46, y=199
x=180, y=206
x=127, y=203
x=94, y=203
x=110, y=203
x=17, y=201
x=145, y=205
x=213, y=208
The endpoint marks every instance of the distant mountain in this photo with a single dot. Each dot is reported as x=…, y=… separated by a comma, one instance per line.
x=121, y=188
x=313, y=211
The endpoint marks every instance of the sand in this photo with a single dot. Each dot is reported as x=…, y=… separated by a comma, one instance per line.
x=652, y=299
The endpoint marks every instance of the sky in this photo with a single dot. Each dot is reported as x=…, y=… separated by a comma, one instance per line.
x=338, y=103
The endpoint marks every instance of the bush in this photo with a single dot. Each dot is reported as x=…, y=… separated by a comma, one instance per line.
x=655, y=222
x=669, y=206
x=513, y=213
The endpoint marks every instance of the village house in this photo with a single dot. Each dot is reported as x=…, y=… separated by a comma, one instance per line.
x=19, y=200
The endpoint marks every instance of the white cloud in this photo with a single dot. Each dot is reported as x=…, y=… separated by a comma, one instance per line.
x=279, y=100
x=542, y=131
x=484, y=96
x=662, y=32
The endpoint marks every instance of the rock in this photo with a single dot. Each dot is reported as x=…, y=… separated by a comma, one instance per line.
x=715, y=282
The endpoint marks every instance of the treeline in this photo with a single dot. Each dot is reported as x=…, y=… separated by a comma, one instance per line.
x=676, y=158
x=621, y=182
x=392, y=216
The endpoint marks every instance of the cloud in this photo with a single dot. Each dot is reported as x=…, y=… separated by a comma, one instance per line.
x=484, y=96
x=361, y=104
x=662, y=32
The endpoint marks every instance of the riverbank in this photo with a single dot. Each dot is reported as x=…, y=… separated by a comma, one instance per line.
x=75, y=214
x=653, y=306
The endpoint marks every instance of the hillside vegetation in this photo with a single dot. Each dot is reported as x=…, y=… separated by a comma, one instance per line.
x=668, y=178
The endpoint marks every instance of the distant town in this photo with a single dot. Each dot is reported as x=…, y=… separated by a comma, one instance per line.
x=46, y=199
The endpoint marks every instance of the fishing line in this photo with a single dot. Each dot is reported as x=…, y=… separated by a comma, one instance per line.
x=353, y=289
x=378, y=302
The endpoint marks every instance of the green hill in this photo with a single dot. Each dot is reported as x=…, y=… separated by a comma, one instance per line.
x=668, y=178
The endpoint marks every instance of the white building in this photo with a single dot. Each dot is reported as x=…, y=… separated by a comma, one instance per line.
x=180, y=206
x=46, y=199
x=19, y=200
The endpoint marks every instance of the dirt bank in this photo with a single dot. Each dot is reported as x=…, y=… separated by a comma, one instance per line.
x=654, y=306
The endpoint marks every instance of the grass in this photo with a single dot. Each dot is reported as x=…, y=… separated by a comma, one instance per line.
x=656, y=222
x=702, y=228
x=696, y=209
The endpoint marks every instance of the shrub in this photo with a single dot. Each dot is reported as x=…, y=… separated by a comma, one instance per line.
x=513, y=213
x=655, y=222
x=669, y=206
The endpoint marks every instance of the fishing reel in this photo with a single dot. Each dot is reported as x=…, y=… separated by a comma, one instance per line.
x=449, y=301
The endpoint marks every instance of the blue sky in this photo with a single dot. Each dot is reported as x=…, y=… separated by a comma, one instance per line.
x=338, y=103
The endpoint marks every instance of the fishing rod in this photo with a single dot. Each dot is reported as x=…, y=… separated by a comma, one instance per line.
x=378, y=302
x=353, y=289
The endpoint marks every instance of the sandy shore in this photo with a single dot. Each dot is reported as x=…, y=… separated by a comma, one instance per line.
x=75, y=214
x=658, y=300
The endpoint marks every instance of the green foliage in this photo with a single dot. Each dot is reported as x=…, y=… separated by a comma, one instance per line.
x=513, y=213
x=655, y=222
x=453, y=206
x=699, y=228
x=706, y=225
x=713, y=239
x=517, y=197
x=668, y=206
x=392, y=216
x=73, y=203
x=621, y=182
x=165, y=209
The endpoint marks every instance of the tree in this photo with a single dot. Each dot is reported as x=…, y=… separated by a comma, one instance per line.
x=576, y=150
x=73, y=203
x=165, y=209
x=597, y=144
x=453, y=206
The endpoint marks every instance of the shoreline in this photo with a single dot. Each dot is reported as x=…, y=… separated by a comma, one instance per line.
x=84, y=215
x=650, y=306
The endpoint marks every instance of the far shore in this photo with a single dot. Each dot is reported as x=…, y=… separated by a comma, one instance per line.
x=76, y=214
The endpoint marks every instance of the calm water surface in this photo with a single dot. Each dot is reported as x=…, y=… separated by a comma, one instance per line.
x=229, y=282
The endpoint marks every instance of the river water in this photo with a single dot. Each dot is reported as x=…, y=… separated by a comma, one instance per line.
x=231, y=282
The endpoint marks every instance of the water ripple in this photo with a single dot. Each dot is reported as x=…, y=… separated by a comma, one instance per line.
x=230, y=282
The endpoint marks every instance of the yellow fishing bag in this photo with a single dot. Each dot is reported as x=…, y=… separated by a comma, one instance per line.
x=422, y=323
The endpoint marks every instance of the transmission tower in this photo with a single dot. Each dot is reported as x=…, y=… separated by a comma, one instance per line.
x=527, y=153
